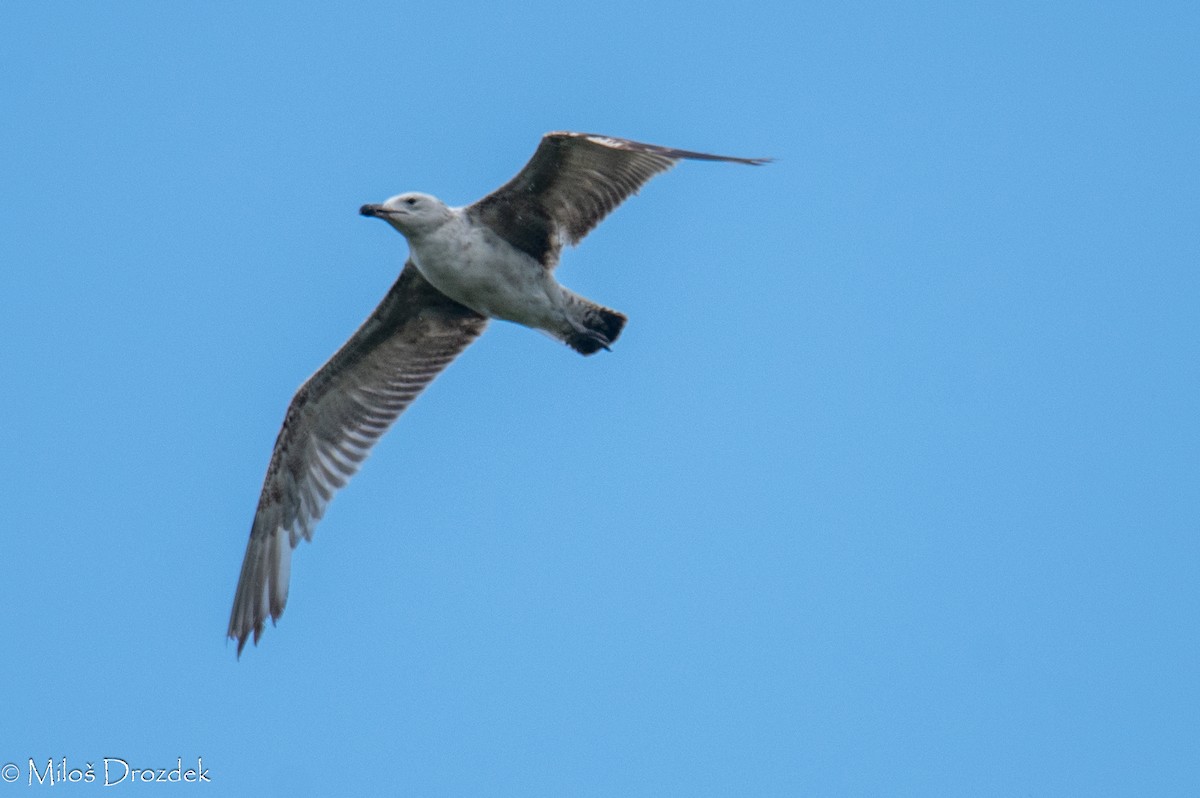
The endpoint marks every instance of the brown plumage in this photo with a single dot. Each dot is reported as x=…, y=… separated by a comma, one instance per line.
x=331, y=424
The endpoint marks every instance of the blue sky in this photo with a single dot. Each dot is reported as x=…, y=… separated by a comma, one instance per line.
x=889, y=487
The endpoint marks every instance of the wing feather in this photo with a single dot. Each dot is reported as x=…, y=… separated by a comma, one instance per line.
x=332, y=423
x=570, y=184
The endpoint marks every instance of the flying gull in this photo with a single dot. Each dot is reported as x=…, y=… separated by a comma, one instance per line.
x=494, y=259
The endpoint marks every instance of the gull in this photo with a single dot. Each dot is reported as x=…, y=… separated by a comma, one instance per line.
x=493, y=259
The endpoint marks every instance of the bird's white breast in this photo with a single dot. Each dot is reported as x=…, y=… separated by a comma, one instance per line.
x=473, y=266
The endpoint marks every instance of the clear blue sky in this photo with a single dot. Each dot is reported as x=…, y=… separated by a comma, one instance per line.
x=891, y=486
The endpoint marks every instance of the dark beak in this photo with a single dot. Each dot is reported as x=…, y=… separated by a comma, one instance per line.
x=371, y=210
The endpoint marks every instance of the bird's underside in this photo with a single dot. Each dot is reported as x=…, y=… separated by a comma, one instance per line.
x=572, y=182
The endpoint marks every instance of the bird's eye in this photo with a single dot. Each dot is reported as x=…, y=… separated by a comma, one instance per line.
x=410, y=201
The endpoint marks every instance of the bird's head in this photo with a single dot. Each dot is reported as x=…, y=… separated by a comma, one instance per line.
x=411, y=214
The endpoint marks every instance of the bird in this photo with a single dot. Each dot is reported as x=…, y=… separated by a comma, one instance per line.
x=493, y=259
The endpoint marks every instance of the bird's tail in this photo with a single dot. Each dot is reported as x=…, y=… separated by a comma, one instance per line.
x=593, y=327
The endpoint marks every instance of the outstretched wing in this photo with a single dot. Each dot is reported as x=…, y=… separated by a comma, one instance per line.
x=332, y=423
x=572, y=182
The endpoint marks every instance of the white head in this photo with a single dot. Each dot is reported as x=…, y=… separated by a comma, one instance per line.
x=411, y=213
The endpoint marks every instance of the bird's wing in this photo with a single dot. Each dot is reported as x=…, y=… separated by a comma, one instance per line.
x=570, y=184
x=332, y=423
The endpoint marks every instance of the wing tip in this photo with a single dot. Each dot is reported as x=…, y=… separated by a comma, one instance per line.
x=631, y=145
x=255, y=599
x=247, y=632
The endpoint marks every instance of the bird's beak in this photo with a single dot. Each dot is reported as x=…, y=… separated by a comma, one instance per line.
x=373, y=210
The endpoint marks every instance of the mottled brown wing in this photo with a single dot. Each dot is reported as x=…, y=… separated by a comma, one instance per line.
x=332, y=423
x=572, y=182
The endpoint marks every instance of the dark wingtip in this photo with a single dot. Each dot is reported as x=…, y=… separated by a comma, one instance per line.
x=668, y=152
x=729, y=159
x=243, y=637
